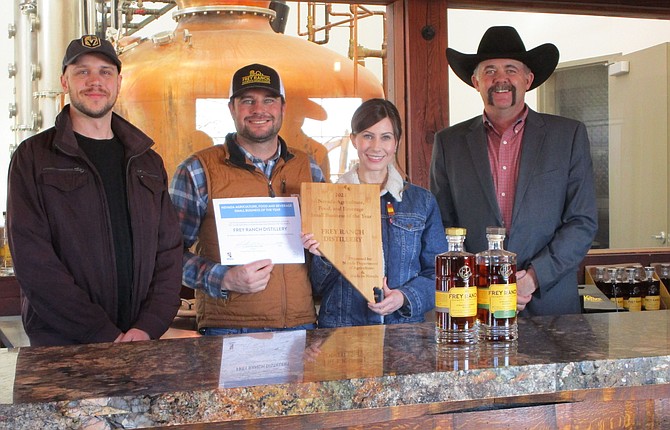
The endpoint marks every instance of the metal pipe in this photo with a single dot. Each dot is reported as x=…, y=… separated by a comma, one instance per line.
x=326, y=25
x=90, y=22
x=354, y=33
x=311, y=24
x=356, y=13
x=114, y=17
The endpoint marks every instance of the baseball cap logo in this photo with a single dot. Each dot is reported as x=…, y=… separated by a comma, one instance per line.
x=91, y=41
x=256, y=77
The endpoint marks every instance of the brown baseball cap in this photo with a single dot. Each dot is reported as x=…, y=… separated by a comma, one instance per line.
x=90, y=44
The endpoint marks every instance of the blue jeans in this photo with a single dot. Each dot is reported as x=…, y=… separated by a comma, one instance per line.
x=214, y=331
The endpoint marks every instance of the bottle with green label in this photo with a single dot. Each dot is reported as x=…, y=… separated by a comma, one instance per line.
x=496, y=292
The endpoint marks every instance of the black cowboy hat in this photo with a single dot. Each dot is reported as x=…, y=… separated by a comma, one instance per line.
x=505, y=42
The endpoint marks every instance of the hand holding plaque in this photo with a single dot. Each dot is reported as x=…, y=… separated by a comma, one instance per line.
x=345, y=219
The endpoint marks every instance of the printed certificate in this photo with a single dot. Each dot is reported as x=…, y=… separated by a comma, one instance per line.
x=255, y=228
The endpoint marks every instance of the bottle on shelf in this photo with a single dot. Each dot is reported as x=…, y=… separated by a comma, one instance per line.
x=455, y=292
x=652, y=292
x=496, y=281
x=616, y=288
x=634, y=301
x=601, y=281
x=7, y=264
x=664, y=274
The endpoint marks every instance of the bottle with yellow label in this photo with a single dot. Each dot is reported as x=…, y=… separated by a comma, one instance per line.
x=616, y=287
x=455, y=292
x=633, y=302
x=496, y=281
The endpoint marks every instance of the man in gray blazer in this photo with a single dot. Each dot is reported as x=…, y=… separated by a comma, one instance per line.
x=513, y=167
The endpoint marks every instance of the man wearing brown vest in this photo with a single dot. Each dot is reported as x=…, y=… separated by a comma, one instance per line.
x=253, y=162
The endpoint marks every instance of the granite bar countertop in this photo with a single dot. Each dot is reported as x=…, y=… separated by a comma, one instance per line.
x=212, y=379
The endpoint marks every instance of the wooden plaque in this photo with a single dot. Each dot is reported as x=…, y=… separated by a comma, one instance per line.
x=346, y=220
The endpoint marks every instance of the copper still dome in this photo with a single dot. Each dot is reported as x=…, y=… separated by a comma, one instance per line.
x=163, y=78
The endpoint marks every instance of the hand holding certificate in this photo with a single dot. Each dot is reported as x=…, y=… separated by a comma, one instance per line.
x=256, y=228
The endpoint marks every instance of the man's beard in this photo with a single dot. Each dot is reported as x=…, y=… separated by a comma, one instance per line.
x=503, y=87
x=260, y=137
x=81, y=107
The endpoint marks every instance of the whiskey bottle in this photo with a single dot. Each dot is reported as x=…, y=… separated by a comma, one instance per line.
x=7, y=263
x=601, y=282
x=652, y=294
x=616, y=288
x=455, y=292
x=496, y=281
x=664, y=274
x=634, y=301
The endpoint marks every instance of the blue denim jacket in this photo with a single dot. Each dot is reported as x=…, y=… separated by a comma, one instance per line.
x=411, y=238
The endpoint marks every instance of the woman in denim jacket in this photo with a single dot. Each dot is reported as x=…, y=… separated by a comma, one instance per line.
x=412, y=232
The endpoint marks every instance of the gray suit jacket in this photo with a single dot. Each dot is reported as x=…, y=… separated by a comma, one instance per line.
x=554, y=219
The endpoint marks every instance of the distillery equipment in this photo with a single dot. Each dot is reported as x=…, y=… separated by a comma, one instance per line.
x=167, y=78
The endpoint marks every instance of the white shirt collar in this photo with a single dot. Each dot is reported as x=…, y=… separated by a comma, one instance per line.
x=394, y=183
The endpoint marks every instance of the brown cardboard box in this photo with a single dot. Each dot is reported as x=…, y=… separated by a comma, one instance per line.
x=589, y=276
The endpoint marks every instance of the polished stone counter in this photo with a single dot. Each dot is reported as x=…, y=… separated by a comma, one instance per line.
x=216, y=379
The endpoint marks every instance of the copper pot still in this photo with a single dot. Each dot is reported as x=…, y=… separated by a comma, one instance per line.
x=163, y=78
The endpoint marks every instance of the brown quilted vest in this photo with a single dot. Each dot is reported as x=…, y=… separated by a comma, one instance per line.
x=287, y=299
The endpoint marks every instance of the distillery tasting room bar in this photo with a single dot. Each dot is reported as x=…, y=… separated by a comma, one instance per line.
x=594, y=370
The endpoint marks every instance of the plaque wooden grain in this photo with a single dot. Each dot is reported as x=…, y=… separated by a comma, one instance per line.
x=346, y=220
